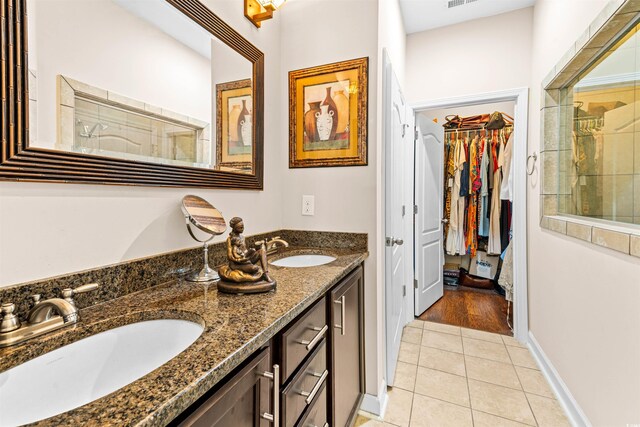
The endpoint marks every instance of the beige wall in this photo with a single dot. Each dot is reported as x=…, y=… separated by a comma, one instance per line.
x=345, y=197
x=52, y=229
x=582, y=299
x=484, y=55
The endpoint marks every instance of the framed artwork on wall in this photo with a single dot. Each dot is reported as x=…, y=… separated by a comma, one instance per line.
x=328, y=115
x=234, y=136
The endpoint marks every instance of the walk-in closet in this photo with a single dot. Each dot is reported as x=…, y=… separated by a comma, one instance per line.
x=477, y=195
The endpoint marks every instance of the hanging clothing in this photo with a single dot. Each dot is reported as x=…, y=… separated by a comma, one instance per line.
x=471, y=231
x=494, y=247
x=448, y=180
x=505, y=223
x=464, y=183
x=506, y=189
x=506, y=273
x=483, y=218
x=455, y=235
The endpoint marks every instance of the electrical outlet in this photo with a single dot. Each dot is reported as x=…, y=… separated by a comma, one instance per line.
x=308, y=205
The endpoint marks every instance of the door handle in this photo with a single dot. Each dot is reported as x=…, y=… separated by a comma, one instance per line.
x=275, y=376
x=444, y=221
x=343, y=313
x=390, y=241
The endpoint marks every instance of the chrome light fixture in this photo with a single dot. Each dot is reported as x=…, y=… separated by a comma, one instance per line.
x=257, y=11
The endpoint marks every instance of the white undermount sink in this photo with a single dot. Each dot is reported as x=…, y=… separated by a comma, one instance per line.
x=303, y=261
x=89, y=369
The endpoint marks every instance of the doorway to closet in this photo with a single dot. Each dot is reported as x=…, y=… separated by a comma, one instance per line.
x=476, y=155
x=470, y=237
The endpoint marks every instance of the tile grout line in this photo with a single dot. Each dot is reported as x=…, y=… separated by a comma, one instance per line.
x=466, y=374
x=535, y=419
x=413, y=394
x=501, y=417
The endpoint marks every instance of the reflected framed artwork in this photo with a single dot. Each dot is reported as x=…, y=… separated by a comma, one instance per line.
x=328, y=115
x=234, y=136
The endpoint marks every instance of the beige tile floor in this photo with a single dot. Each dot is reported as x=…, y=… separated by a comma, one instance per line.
x=451, y=376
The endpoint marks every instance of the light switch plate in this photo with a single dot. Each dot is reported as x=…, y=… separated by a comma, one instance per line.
x=308, y=205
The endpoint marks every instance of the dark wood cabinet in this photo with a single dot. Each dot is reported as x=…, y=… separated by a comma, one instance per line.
x=310, y=374
x=245, y=400
x=347, y=348
x=305, y=386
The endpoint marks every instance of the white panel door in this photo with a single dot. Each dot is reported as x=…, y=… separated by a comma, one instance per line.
x=395, y=286
x=429, y=175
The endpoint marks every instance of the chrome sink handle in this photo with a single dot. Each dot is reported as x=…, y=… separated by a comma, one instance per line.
x=68, y=293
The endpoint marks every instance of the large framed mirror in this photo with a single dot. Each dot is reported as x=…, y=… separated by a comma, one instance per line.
x=135, y=92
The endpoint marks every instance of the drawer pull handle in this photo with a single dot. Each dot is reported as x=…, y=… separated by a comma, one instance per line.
x=310, y=344
x=343, y=313
x=275, y=376
x=309, y=396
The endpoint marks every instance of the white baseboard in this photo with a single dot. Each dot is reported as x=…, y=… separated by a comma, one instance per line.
x=574, y=413
x=376, y=405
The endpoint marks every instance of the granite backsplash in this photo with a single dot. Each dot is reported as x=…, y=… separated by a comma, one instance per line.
x=120, y=279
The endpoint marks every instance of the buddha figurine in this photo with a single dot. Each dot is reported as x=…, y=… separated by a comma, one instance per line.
x=247, y=270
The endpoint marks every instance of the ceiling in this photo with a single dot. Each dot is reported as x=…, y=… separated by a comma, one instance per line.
x=422, y=15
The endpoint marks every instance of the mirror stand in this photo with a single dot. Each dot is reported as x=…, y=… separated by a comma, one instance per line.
x=207, y=274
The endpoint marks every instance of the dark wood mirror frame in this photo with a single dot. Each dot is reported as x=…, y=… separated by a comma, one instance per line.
x=19, y=162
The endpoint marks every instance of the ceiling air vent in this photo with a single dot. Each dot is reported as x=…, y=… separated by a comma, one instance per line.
x=455, y=3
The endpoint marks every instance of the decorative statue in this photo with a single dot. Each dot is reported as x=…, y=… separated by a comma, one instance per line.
x=247, y=271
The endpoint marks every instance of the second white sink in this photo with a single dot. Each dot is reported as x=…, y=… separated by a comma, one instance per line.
x=303, y=261
x=89, y=369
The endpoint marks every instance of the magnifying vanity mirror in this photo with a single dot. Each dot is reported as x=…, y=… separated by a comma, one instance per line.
x=149, y=92
x=206, y=218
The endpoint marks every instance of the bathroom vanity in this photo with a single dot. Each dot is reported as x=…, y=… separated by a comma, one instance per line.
x=309, y=374
x=291, y=357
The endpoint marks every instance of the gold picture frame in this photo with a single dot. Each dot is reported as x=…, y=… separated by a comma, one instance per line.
x=234, y=133
x=328, y=115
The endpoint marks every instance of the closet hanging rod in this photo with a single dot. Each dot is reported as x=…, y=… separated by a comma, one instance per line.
x=474, y=129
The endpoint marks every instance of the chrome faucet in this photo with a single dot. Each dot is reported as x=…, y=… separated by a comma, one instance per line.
x=41, y=318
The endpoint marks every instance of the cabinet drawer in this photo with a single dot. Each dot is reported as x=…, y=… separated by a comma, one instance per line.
x=316, y=415
x=305, y=386
x=240, y=402
x=302, y=338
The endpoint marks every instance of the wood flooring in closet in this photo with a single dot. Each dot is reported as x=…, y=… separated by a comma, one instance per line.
x=471, y=308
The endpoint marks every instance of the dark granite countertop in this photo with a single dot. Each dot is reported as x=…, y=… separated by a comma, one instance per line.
x=234, y=327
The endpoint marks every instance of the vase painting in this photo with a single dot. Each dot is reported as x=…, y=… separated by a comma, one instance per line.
x=245, y=130
x=234, y=125
x=325, y=123
x=239, y=138
x=310, y=127
x=233, y=118
x=342, y=105
x=326, y=116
